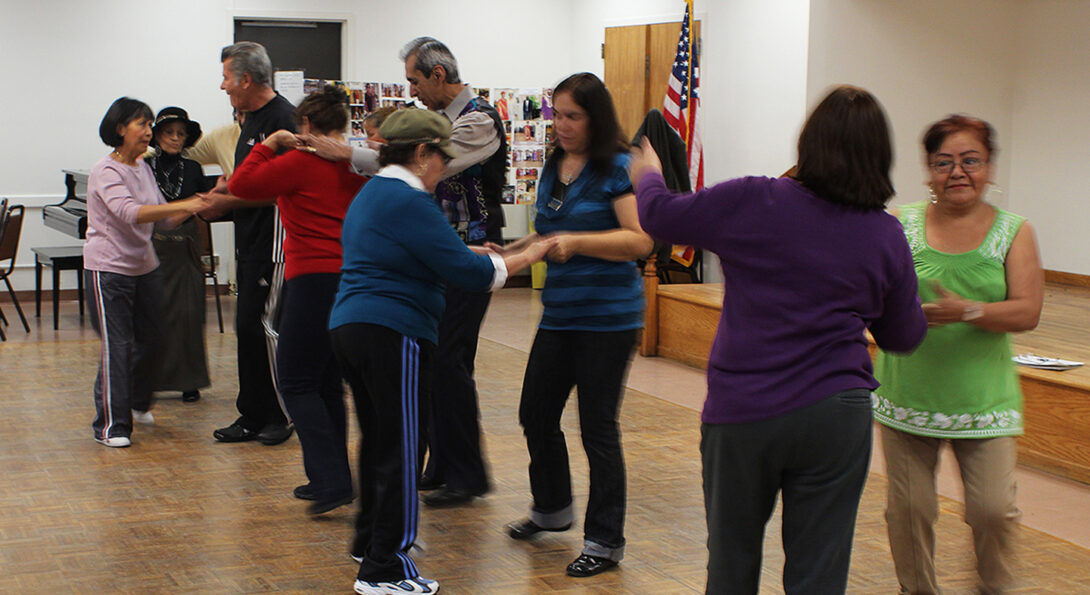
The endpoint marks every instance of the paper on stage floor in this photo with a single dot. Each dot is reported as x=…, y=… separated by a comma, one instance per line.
x=1044, y=363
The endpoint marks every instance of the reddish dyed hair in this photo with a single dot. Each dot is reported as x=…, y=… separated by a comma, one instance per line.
x=954, y=123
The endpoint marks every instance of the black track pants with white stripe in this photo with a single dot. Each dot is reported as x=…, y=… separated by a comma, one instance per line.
x=125, y=313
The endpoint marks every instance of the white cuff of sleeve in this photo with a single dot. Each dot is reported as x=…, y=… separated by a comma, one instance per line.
x=499, y=277
x=364, y=161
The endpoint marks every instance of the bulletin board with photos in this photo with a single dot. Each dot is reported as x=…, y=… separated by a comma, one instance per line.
x=526, y=113
x=363, y=100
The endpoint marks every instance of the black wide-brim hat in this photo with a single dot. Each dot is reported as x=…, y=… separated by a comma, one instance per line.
x=173, y=114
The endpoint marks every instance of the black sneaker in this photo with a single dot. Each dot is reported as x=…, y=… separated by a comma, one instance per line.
x=321, y=507
x=304, y=492
x=235, y=432
x=527, y=529
x=274, y=434
x=587, y=565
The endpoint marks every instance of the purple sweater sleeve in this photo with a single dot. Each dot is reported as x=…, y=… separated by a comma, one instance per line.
x=696, y=219
x=902, y=325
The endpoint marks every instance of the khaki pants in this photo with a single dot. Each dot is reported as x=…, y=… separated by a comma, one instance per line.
x=987, y=472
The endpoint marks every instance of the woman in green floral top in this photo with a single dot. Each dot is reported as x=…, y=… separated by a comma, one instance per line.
x=980, y=279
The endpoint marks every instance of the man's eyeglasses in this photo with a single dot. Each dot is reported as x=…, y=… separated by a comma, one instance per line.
x=968, y=165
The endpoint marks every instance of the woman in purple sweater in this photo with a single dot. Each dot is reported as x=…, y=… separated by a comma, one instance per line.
x=810, y=263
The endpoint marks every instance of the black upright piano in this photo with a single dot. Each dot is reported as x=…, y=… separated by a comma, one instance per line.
x=70, y=216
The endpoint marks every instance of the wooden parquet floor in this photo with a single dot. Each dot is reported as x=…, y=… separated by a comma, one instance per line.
x=179, y=513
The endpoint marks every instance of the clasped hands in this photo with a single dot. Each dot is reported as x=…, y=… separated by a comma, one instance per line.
x=555, y=247
x=949, y=307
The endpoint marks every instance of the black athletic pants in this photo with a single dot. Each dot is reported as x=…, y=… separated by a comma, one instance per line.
x=257, y=402
x=454, y=428
x=388, y=373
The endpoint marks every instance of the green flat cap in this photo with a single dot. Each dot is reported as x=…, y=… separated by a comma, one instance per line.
x=414, y=125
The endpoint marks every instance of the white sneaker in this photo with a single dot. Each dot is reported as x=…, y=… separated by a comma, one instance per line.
x=409, y=585
x=143, y=417
x=114, y=442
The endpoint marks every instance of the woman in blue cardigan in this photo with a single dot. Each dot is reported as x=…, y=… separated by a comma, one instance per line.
x=399, y=250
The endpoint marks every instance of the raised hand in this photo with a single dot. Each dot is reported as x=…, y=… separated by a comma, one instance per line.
x=324, y=147
x=281, y=139
x=644, y=159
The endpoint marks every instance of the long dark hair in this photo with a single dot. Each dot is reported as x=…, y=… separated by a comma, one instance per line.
x=606, y=138
x=844, y=150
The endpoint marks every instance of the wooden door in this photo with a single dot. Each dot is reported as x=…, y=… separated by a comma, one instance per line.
x=625, y=73
x=638, y=60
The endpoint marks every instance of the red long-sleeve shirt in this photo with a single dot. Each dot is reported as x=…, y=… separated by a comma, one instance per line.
x=312, y=195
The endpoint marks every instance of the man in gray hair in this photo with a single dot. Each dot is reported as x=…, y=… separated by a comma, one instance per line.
x=470, y=197
x=247, y=80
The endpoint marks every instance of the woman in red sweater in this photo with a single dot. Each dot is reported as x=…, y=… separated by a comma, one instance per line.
x=312, y=195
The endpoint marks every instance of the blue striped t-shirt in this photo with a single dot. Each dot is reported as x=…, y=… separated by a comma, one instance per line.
x=587, y=293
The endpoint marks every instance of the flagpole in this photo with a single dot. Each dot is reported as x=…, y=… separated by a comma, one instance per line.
x=689, y=90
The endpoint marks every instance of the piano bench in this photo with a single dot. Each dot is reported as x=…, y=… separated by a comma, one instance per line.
x=59, y=258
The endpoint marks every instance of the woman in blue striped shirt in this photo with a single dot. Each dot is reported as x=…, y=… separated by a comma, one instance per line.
x=593, y=311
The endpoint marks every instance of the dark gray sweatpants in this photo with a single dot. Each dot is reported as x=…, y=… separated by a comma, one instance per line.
x=816, y=458
x=124, y=312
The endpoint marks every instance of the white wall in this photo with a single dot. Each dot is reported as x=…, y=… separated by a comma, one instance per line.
x=923, y=59
x=65, y=62
x=1017, y=64
x=753, y=77
x=1050, y=151
x=1021, y=65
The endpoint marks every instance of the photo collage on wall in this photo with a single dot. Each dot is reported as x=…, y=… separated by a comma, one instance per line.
x=523, y=112
x=363, y=99
x=526, y=114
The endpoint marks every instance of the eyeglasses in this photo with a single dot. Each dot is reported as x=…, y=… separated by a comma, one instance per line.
x=968, y=165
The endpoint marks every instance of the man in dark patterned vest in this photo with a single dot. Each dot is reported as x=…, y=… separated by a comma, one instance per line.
x=470, y=197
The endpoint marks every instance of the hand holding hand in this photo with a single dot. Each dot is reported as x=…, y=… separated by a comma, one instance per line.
x=221, y=185
x=324, y=147
x=537, y=250
x=563, y=247
x=214, y=204
x=948, y=309
x=195, y=204
x=494, y=247
x=644, y=160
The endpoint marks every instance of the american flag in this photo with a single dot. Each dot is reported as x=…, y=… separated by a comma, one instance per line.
x=683, y=99
x=681, y=105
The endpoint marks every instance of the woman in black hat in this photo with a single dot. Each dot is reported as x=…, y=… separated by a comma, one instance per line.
x=184, y=362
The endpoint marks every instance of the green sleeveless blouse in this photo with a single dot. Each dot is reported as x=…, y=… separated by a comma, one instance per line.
x=960, y=382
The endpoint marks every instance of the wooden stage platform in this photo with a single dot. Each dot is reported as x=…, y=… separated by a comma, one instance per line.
x=682, y=320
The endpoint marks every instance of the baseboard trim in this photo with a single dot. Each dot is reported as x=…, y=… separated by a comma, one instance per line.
x=1067, y=278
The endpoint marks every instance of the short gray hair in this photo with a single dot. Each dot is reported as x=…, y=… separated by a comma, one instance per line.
x=249, y=58
x=431, y=52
